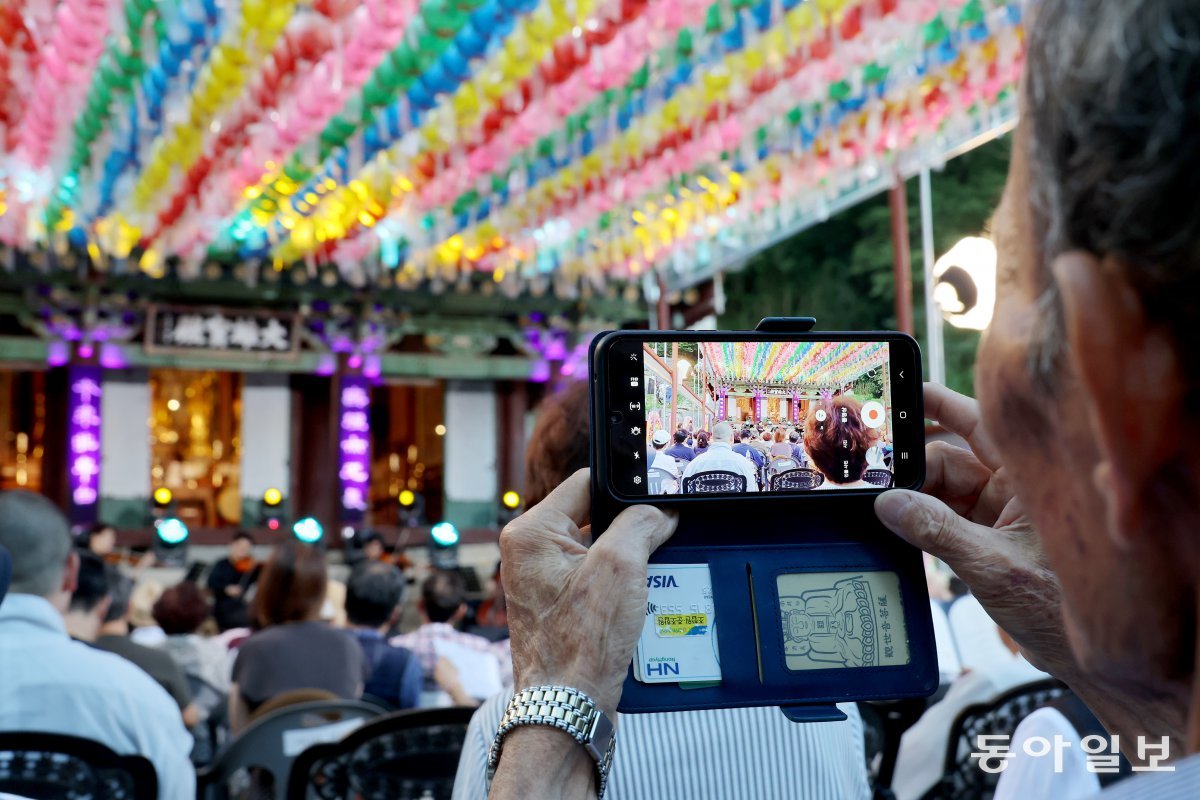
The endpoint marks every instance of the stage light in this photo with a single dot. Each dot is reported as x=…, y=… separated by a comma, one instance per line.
x=170, y=542
x=412, y=507
x=308, y=530
x=444, y=534
x=171, y=532
x=443, y=545
x=272, y=497
x=407, y=498
x=965, y=288
x=162, y=497
x=272, y=524
x=511, y=500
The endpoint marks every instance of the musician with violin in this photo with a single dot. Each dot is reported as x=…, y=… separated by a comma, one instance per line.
x=101, y=539
x=231, y=579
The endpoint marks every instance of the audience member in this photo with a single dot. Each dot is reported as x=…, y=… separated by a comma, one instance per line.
x=721, y=458
x=295, y=649
x=797, y=448
x=141, y=613
x=180, y=612
x=730, y=743
x=96, y=615
x=231, y=580
x=702, y=441
x=442, y=606
x=761, y=441
x=679, y=449
x=923, y=746
x=743, y=448
x=374, y=595
x=781, y=448
x=837, y=440
x=559, y=420
x=661, y=459
x=55, y=685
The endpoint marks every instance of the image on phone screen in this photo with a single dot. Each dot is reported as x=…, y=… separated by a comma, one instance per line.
x=730, y=417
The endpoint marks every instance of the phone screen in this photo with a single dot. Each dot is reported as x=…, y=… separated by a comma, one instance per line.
x=703, y=415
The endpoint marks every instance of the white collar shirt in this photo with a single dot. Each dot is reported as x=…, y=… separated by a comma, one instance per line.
x=53, y=684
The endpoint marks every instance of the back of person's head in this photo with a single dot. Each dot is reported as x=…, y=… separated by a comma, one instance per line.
x=794, y=436
x=680, y=436
x=838, y=444
x=443, y=594
x=374, y=592
x=182, y=609
x=558, y=446
x=723, y=432
x=292, y=585
x=120, y=589
x=746, y=436
x=702, y=439
x=92, y=584
x=780, y=435
x=38, y=537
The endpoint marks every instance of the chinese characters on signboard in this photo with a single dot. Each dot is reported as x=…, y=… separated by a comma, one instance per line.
x=219, y=330
x=83, y=441
x=354, y=446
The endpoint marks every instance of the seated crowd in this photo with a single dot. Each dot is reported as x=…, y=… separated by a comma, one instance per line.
x=832, y=449
x=72, y=662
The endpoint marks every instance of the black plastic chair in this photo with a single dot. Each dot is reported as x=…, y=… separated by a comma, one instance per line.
x=962, y=777
x=409, y=754
x=270, y=744
x=714, y=483
x=878, y=477
x=661, y=481
x=796, y=480
x=51, y=766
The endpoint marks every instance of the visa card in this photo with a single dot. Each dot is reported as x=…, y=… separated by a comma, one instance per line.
x=678, y=642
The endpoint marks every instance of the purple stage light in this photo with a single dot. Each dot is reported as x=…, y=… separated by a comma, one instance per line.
x=83, y=442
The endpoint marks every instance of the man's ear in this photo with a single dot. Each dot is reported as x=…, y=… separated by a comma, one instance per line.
x=70, y=580
x=1133, y=388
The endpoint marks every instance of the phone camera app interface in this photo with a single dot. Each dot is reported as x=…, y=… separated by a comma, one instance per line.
x=743, y=417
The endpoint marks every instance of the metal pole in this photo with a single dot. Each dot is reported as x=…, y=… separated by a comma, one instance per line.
x=901, y=257
x=935, y=349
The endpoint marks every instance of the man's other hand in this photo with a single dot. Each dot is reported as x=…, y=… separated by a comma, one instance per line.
x=575, y=612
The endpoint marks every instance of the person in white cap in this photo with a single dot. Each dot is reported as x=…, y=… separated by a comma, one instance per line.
x=661, y=460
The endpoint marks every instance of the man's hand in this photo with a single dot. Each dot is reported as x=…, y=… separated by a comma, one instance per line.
x=970, y=518
x=575, y=612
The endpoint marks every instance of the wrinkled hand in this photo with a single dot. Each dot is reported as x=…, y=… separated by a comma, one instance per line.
x=970, y=518
x=574, y=612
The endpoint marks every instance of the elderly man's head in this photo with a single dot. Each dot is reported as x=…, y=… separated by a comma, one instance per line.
x=38, y=537
x=1086, y=377
x=723, y=432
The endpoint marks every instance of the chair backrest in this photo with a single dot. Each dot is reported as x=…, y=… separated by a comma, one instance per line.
x=272, y=742
x=52, y=766
x=409, y=754
x=878, y=477
x=796, y=480
x=661, y=481
x=718, y=482
x=962, y=778
x=780, y=464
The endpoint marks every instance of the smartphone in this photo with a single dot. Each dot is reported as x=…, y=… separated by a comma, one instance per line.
x=684, y=415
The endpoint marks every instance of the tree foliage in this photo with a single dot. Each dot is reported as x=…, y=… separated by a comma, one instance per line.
x=841, y=270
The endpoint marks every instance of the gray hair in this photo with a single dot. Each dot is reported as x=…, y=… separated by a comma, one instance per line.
x=723, y=432
x=1113, y=104
x=38, y=536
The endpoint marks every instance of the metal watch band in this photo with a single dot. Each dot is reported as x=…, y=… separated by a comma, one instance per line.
x=567, y=709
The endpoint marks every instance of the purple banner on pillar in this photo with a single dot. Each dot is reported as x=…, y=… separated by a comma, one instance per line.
x=758, y=405
x=83, y=442
x=721, y=403
x=354, y=447
x=795, y=407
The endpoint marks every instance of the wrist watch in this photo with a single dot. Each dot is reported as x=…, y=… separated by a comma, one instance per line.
x=567, y=709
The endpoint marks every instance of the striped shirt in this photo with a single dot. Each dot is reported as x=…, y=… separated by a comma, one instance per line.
x=725, y=754
x=421, y=642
